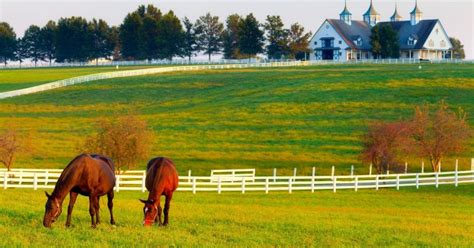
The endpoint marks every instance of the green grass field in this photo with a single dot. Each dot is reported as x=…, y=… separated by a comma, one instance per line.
x=250, y=118
x=13, y=79
x=406, y=218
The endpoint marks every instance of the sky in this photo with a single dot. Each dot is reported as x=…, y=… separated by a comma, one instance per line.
x=455, y=15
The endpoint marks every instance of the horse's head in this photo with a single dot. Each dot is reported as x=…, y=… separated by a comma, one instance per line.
x=150, y=210
x=52, y=210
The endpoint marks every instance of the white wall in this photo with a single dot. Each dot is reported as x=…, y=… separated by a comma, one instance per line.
x=324, y=31
x=437, y=36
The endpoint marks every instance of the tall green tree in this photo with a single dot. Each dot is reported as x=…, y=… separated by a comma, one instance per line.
x=277, y=37
x=190, y=45
x=210, y=37
x=171, y=38
x=103, y=42
x=149, y=33
x=74, y=40
x=298, y=42
x=389, y=42
x=458, y=48
x=130, y=36
x=375, y=42
x=250, y=36
x=7, y=43
x=21, y=52
x=48, y=40
x=231, y=37
x=33, y=43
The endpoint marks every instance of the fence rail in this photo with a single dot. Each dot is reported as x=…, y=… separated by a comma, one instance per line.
x=135, y=180
x=140, y=72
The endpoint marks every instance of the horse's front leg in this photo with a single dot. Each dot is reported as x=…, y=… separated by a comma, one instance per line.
x=72, y=201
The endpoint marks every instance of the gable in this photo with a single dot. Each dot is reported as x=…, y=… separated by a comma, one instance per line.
x=327, y=30
x=438, y=38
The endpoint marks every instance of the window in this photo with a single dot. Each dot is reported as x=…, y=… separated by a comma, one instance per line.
x=316, y=43
x=358, y=41
x=340, y=42
x=411, y=41
x=443, y=43
x=431, y=43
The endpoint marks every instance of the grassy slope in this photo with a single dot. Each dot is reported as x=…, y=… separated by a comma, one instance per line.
x=13, y=79
x=427, y=217
x=258, y=118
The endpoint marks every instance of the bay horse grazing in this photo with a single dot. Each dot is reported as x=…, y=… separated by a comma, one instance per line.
x=161, y=179
x=91, y=175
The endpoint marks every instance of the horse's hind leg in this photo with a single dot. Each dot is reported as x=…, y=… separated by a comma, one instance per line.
x=110, y=204
x=167, y=208
x=97, y=210
x=92, y=209
x=72, y=200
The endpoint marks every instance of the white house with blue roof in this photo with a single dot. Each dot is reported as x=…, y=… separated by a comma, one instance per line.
x=346, y=39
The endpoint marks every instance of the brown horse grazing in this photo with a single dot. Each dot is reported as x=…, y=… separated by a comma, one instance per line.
x=89, y=175
x=161, y=179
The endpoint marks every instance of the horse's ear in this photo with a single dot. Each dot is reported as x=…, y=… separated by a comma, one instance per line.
x=47, y=195
x=143, y=201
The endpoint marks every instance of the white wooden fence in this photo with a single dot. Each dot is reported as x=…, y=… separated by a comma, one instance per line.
x=135, y=180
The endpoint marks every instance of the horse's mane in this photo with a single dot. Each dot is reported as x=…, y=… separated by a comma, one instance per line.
x=66, y=174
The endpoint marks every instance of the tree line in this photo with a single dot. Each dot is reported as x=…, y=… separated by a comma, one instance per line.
x=147, y=34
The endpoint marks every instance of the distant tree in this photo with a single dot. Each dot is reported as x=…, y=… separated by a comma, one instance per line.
x=250, y=36
x=7, y=43
x=458, y=48
x=389, y=42
x=231, y=37
x=210, y=37
x=130, y=36
x=115, y=37
x=277, y=37
x=190, y=45
x=375, y=42
x=127, y=140
x=33, y=44
x=74, y=40
x=440, y=133
x=299, y=42
x=21, y=52
x=171, y=38
x=11, y=143
x=384, y=143
x=103, y=41
x=150, y=37
x=48, y=41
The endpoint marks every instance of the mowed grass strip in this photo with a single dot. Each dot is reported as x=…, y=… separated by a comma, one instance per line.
x=426, y=217
x=249, y=118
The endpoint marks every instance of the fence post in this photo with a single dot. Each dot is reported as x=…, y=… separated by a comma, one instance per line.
x=117, y=183
x=266, y=185
x=21, y=177
x=472, y=164
x=352, y=170
x=289, y=185
x=5, y=176
x=439, y=167
x=219, y=185
x=376, y=182
x=274, y=174
x=417, y=181
x=35, y=181
x=332, y=171
x=406, y=167
x=189, y=176
x=356, y=183
x=194, y=185
x=437, y=179
x=46, y=177
x=144, y=181
x=243, y=186
x=370, y=169
x=334, y=179
x=422, y=166
x=313, y=174
x=398, y=182
x=456, y=174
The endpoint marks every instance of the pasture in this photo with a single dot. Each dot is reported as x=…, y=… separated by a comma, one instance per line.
x=426, y=217
x=243, y=118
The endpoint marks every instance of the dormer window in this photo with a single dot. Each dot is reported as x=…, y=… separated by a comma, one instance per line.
x=412, y=41
x=358, y=41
